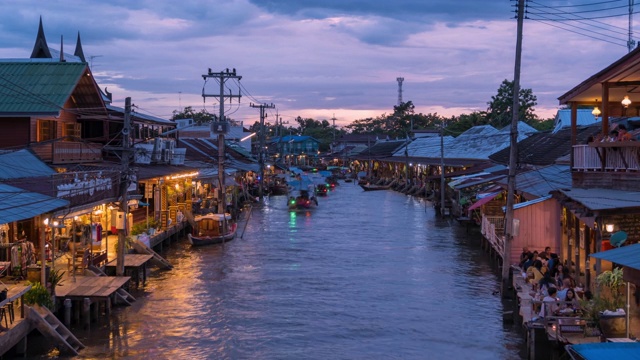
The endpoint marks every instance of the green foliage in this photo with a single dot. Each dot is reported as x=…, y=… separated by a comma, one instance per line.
x=55, y=279
x=610, y=295
x=199, y=117
x=128, y=245
x=500, y=110
x=611, y=281
x=38, y=294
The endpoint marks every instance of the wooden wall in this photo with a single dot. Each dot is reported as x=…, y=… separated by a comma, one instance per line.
x=14, y=132
x=539, y=228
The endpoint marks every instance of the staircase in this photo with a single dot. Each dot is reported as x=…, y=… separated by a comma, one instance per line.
x=49, y=325
x=141, y=248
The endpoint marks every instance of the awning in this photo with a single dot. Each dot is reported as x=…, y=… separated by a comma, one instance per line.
x=18, y=204
x=628, y=256
x=608, y=350
x=483, y=201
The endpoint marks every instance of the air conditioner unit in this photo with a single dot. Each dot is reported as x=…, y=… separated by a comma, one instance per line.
x=158, y=145
x=167, y=155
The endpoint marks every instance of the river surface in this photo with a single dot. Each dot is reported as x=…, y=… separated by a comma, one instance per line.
x=367, y=275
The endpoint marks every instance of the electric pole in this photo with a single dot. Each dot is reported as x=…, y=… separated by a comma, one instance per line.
x=221, y=127
x=513, y=154
x=261, y=152
x=124, y=186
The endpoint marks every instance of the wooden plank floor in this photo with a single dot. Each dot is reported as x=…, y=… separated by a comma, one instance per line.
x=132, y=260
x=91, y=286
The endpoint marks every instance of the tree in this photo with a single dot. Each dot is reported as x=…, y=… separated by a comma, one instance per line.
x=199, y=117
x=499, y=112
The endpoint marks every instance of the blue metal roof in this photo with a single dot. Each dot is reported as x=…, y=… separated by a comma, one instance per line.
x=628, y=256
x=22, y=164
x=541, y=181
x=18, y=204
x=598, y=351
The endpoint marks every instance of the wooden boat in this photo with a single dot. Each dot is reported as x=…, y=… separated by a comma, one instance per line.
x=302, y=201
x=373, y=187
x=213, y=229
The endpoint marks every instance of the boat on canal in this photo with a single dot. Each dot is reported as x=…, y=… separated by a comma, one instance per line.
x=374, y=187
x=302, y=193
x=213, y=229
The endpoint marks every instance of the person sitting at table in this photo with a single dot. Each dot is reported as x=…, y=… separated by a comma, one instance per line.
x=550, y=304
x=533, y=272
x=571, y=300
x=623, y=135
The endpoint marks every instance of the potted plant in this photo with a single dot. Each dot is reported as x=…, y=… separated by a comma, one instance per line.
x=39, y=295
x=610, y=297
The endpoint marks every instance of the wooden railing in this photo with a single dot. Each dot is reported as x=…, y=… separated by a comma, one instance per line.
x=617, y=156
x=76, y=152
x=493, y=230
x=64, y=152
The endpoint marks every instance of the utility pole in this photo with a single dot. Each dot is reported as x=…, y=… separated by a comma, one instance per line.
x=631, y=43
x=124, y=186
x=261, y=152
x=221, y=127
x=513, y=154
x=442, y=185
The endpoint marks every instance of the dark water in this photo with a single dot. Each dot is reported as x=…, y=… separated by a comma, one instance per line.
x=370, y=275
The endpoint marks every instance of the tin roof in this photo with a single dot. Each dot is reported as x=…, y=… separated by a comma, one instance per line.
x=628, y=256
x=43, y=87
x=18, y=204
x=540, y=181
x=481, y=141
x=22, y=164
x=604, y=199
x=608, y=350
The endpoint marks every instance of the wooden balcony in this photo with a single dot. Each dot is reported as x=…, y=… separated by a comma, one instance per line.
x=614, y=165
x=68, y=152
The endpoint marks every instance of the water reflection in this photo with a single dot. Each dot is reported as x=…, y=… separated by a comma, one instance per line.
x=366, y=275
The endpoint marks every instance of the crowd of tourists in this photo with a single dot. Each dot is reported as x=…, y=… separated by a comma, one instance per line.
x=552, y=282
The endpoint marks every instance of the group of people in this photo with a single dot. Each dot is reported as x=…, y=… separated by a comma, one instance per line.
x=620, y=133
x=552, y=280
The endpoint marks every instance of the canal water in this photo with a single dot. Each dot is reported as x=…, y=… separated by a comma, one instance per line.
x=367, y=275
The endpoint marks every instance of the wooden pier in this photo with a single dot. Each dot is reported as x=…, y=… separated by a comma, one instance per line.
x=133, y=264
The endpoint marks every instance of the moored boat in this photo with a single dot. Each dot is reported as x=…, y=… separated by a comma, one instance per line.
x=213, y=229
x=373, y=187
x=302, y=200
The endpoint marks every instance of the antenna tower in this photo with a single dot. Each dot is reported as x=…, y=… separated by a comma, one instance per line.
x=400, y=80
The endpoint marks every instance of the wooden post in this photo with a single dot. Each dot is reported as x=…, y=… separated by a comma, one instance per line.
x=67, y=312
x=86, y=312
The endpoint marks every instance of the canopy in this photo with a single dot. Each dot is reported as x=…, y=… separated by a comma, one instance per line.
x=18, y=204
x=608, y=350
x=628, y=256
x=483, y=201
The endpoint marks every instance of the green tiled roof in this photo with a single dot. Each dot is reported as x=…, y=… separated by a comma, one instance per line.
x=37, y=87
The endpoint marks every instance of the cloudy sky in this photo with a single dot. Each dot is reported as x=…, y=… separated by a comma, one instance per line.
x=320, y=58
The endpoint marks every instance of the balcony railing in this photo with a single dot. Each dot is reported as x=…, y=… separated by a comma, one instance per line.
x=607, y=156
x=65, y=152
x=493, y=230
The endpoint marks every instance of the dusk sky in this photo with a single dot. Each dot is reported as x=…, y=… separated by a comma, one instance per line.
x=321, y=58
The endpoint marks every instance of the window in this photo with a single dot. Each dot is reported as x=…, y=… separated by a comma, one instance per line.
x=46, y=130
x=72, y=129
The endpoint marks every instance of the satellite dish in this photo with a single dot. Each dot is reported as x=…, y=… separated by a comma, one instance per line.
x=618, y=238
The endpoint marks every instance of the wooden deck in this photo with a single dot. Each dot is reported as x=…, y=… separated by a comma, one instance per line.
x=133, y=264
x=92, y=287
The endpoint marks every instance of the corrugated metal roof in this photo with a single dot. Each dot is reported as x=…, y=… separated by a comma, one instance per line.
x=428, y=147
x=19, y=204
x=528, y=203
x=541, y=181
x=141, y=117
x=22, y=164
x=37, y=87
x=628, y=256
x=481, y=141
x=608, y=350
x=584, y=118
x=604, y=199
